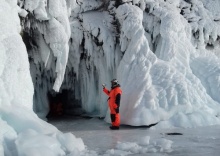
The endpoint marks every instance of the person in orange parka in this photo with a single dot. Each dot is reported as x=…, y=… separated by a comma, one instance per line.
x=114, y=103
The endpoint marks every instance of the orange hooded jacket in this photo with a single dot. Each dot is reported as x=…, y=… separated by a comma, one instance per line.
x=114, y=99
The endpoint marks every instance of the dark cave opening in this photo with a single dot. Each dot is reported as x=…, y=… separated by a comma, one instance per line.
x=63, y=104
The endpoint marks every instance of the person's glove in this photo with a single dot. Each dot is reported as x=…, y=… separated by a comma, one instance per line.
x=103, y=85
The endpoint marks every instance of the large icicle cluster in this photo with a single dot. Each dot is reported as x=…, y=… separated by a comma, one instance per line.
x=93, y=55
x=92, y=42
x=47, y=32
x=50, y=19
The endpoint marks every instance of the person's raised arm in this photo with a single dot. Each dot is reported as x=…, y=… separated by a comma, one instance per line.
x=105, y=90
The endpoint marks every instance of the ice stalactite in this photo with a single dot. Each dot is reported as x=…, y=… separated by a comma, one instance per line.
x=93, y=55
x=51, y=20
x=47, y=32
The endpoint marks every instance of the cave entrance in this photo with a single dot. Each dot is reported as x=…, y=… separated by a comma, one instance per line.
x=63, y=104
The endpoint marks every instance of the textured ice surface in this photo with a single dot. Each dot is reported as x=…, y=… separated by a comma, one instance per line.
x=165, y=55
x=141, y=141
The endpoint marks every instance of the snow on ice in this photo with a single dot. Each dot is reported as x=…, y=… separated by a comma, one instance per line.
x=164, y=53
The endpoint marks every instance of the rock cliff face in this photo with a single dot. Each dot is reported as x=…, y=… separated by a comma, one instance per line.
x=164, y=53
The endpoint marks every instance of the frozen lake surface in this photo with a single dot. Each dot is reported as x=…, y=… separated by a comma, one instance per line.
x=97, y=136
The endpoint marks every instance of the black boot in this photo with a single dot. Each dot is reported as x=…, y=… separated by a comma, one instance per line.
x=114, y=127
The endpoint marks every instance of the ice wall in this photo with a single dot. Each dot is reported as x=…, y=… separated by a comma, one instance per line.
x=47, y=33
x=92, y=43
x=50, y=19
x=168, y=53
x=157, y=88
x=21, y=131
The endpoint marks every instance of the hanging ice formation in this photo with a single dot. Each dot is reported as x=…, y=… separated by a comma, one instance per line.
x=92, y=43
x=164, y=53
